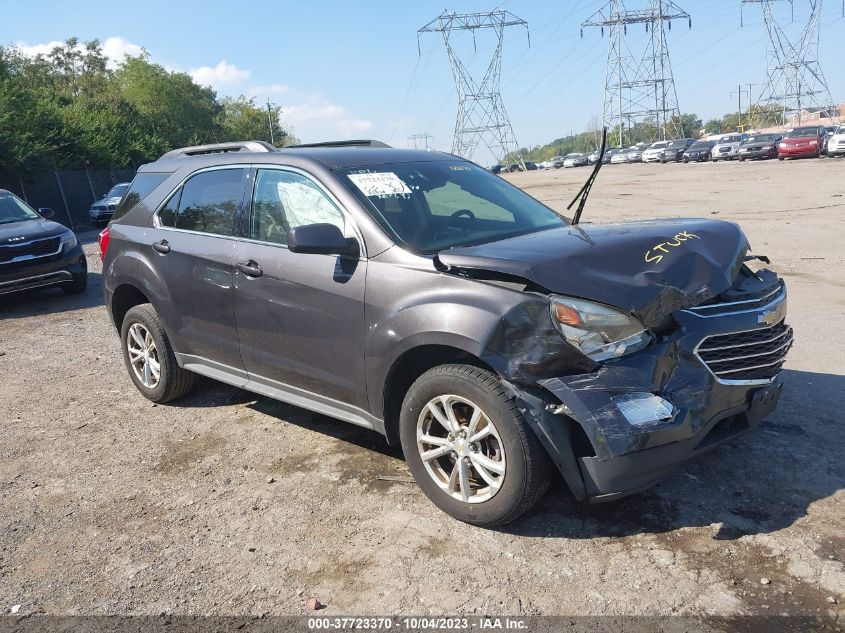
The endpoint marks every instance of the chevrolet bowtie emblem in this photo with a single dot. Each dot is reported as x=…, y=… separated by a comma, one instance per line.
x=770, y=318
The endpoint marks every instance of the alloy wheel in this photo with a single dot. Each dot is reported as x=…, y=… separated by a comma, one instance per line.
x=461, y=449
x=143, y=355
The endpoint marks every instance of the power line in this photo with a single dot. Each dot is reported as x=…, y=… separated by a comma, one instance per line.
x=481, y=112
x=794, y=78
x=421, y=141
x=639, y=88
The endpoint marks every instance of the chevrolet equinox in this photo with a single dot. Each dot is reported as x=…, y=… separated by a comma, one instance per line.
x=418, y=295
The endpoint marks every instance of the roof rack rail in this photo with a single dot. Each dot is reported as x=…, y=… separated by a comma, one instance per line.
x=219, y=148
x=353, y=143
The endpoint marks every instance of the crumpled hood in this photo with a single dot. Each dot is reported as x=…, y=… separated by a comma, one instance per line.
x=11, y=233
x=650, y=268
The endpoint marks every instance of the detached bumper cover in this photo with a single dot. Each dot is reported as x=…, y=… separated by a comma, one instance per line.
x=706, y=410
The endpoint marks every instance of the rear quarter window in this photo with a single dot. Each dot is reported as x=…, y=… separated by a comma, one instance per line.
x=140, y=188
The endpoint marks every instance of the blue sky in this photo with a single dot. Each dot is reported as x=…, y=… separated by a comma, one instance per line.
x=342, y=69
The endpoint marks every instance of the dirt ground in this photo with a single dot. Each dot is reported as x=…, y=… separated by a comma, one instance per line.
x=228, y=503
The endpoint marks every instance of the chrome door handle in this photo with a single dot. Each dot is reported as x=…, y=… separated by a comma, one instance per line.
x=250, y=268
x=162, y=247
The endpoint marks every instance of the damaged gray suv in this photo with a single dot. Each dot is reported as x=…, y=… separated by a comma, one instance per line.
x=416, y=294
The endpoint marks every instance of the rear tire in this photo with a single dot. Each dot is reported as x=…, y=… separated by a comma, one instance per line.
x=149, y=356
x=461, y=476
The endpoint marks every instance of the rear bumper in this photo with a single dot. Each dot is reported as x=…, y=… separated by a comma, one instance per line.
x=41, y=274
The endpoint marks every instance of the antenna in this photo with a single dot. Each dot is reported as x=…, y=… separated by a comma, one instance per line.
x=794, y=79
x=640, y=99
x=481, y=112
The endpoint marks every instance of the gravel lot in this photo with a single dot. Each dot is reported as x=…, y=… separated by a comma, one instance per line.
x=228, y=503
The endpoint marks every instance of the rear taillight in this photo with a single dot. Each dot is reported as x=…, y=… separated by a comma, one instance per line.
x=103, y=239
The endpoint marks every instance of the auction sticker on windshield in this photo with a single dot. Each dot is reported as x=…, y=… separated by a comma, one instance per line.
x=384, y=183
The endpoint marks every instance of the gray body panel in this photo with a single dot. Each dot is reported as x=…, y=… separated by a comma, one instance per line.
x=327, y=332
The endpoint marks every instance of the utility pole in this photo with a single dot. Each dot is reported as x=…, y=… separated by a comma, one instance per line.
x=270, y=123
x=739, y=91
x=481, y=112
x=639, y=89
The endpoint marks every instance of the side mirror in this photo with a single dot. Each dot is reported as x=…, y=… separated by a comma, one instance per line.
x=321, y=239
x=46, y=213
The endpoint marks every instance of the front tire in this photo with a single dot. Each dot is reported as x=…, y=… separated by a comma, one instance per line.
x=78, y=285
x=469, y=448
x=149, y=356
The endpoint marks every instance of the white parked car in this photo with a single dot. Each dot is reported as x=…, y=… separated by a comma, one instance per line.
x=652, y=154
x=727, y=147
x=836, y=143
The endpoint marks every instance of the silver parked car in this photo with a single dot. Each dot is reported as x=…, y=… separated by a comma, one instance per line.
x=103, y=209
x=727, y=147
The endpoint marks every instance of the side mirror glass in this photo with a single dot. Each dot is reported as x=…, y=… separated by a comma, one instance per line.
x=46, y=212
x=321, y=239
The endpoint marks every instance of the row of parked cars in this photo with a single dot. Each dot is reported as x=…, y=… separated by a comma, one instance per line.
x=799, y=142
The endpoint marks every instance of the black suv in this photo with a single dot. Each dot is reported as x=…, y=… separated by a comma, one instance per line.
x=418, y=295
x=35, y=252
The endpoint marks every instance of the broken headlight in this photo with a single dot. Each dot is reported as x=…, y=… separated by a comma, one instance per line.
x=599, y=331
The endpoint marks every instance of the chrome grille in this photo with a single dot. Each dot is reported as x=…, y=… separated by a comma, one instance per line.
x=28, y=250
x=755, y=355
x=750, y=301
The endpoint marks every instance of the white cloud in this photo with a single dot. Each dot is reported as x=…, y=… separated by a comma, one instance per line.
x=114, y=48
x=311, y=116
x=37, y=49
x=220, y=77
x=117, y=48
x=318, y=119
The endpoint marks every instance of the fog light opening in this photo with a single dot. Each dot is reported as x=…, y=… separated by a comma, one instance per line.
x=644, y=409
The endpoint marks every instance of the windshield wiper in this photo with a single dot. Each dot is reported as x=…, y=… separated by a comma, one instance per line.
x=585, y=190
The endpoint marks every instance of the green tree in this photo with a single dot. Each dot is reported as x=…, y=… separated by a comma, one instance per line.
x=240, y=119
x=172, y=109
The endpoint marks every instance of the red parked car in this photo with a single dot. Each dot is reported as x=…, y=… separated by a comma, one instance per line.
x=802, y=142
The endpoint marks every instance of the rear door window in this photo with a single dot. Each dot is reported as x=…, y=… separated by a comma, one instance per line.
x=141, y=187
x=207, y=202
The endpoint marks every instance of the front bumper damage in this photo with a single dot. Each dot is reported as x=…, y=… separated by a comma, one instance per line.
x=704, y=410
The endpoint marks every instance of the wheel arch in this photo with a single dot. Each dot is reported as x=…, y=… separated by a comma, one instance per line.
x=125, y=297
x=409, y=366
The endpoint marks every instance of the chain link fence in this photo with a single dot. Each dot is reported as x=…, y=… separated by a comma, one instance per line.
x=70, y=193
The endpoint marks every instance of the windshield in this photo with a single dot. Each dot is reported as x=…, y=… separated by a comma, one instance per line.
x=117, y=191
x=730, y=139
x=659, y=145
x=840, y=130
x=802, y=132
x=13, y=209
x=761, y=138
x=432, y=206
x=702, y=145
x=678, y=144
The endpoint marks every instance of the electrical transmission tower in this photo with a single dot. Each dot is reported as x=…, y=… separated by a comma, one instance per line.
x=420, y=141
x=794, y=78
x=640, y=100
x=481, y=113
